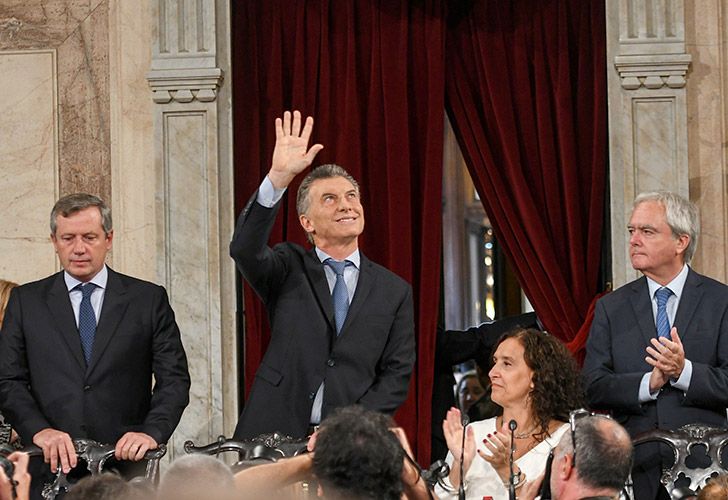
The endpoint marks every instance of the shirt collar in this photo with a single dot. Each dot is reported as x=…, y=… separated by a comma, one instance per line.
x=354, y=258
x=99, y=280
x=676, y=285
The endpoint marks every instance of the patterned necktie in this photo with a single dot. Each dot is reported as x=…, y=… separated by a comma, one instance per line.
x=662, y=323
x=340, y=293
x=87, y=320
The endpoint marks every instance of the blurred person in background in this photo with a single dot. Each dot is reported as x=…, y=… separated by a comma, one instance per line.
x=7, y=434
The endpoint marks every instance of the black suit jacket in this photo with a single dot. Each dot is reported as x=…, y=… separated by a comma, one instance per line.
x=369, y=363
x=44, y=380
x=615, y=362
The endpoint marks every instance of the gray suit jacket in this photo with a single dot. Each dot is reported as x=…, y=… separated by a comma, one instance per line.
x=615, y=360
x=369, y=363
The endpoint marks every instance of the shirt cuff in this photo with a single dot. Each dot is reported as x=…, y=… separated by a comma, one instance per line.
x=268, y=194
x=683, y=382
x=645, y=395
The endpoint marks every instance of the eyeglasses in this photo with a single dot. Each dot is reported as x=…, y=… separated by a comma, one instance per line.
x=573, y=417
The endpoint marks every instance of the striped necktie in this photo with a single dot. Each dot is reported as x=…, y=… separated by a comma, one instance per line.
x=663, y=322
x=340, y=293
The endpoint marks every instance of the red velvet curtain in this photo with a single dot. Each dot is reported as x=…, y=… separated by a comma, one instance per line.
x=371, y=73
x=526, y=95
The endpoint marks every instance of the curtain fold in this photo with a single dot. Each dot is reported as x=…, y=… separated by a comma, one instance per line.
x=526, y=95
x=371, y=73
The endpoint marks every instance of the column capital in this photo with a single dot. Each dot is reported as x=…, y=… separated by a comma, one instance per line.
x=652, y=71
x=184, y=55
x=184, y=84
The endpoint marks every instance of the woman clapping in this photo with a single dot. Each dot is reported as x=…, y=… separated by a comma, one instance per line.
x=535, y=381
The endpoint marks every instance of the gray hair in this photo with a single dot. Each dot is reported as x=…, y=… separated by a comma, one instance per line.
x=326, y=171
x=321, y=172
x=604, y=452
x=192, y=474
x=72, y=203
x=682, y=216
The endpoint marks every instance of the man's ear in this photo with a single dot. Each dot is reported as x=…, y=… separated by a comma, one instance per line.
x=565, y=466
x=683, y=241
x=306, y=223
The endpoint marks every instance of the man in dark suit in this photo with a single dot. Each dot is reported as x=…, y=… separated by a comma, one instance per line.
x=339, y=336
x=657, y=354
x=78, y=349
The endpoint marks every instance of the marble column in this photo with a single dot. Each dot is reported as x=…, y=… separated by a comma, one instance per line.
x=648, y=120
x=190, y=194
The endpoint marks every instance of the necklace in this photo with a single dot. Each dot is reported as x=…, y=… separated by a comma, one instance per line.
x=521, y=435
x=524, y=435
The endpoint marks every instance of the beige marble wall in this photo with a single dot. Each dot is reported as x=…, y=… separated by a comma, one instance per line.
x=133, y=176
x=83, y=89
x=706, y=27
x=78, y=31
x=28, y=162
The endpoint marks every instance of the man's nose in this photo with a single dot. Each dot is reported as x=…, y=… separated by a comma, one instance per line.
x=344, y=203
x=78, y=246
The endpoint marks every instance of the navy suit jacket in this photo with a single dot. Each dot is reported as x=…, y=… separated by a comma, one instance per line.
x=615, y=361
x=369, y=363
x=44, y=380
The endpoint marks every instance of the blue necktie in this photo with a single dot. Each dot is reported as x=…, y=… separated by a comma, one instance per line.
x=662, y=323
x=340, y=293
x=87, y=320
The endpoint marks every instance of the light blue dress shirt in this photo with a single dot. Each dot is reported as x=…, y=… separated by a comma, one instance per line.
x=676, y=286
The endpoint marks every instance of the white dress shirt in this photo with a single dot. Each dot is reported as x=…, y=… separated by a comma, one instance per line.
x=97, y=296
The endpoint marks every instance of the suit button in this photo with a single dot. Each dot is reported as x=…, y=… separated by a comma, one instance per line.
x=331, y=362
x=311, y=395
x=86, y=388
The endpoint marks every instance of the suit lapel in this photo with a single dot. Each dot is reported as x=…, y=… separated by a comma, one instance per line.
x=363, y=287
x=691, y=295
x=112, y=310
x=642, y=308
x=317, y=278
x=61, y=309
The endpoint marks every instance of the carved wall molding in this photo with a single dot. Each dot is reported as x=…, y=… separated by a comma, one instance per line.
x=184, y=85
x=184, y=53
x=652, y=71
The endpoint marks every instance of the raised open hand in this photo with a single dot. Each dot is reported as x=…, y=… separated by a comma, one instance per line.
x=291, y=154
x=453, y=429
